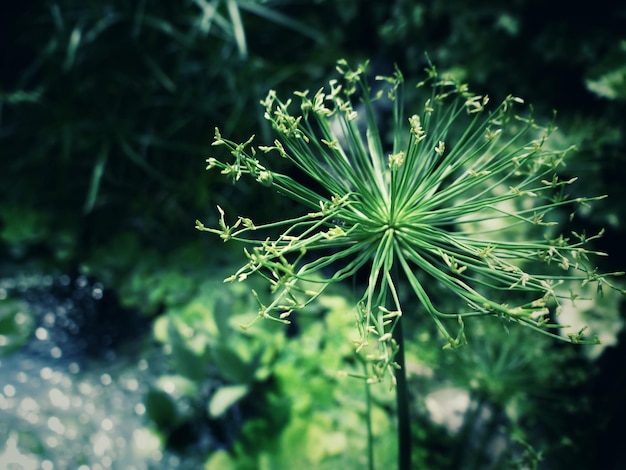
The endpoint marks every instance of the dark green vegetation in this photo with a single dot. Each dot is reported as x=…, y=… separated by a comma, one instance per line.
x=107, y=111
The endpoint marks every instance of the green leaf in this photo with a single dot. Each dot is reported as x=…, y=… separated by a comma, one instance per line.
x=220, y=460
x=177, y=386
x=96, y=177
x=223, y=310
x=238, y=29
x=160, y=408
x=16, y=325
x=224, y=398
x=160, y=329
x=186, y=361
x=610, y=85
x=232, y=366
x=283, y=20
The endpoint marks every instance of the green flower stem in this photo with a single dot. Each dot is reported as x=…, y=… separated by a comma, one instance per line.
x=403, y=409
x=368, y=421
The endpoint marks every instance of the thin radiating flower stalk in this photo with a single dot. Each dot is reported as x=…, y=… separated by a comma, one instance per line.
x=466, y=196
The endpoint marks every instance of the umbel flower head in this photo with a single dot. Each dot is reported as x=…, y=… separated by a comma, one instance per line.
x=444, y=203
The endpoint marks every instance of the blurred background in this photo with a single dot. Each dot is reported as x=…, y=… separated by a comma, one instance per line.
x=119, y=345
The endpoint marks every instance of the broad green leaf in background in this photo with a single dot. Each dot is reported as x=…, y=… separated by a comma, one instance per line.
x=224, y=398
x=16, y=325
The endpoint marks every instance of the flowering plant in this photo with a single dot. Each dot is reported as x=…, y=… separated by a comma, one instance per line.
x=447, y=200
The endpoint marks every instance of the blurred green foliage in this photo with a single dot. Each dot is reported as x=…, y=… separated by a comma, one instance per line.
x=298, y=410
x=108, y=123
x=108, y=107
x=282, y=398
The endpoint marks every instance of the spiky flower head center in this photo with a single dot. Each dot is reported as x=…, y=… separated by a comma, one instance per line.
x=460, y=196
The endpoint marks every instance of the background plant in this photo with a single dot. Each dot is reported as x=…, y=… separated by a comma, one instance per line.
x=113, y=90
